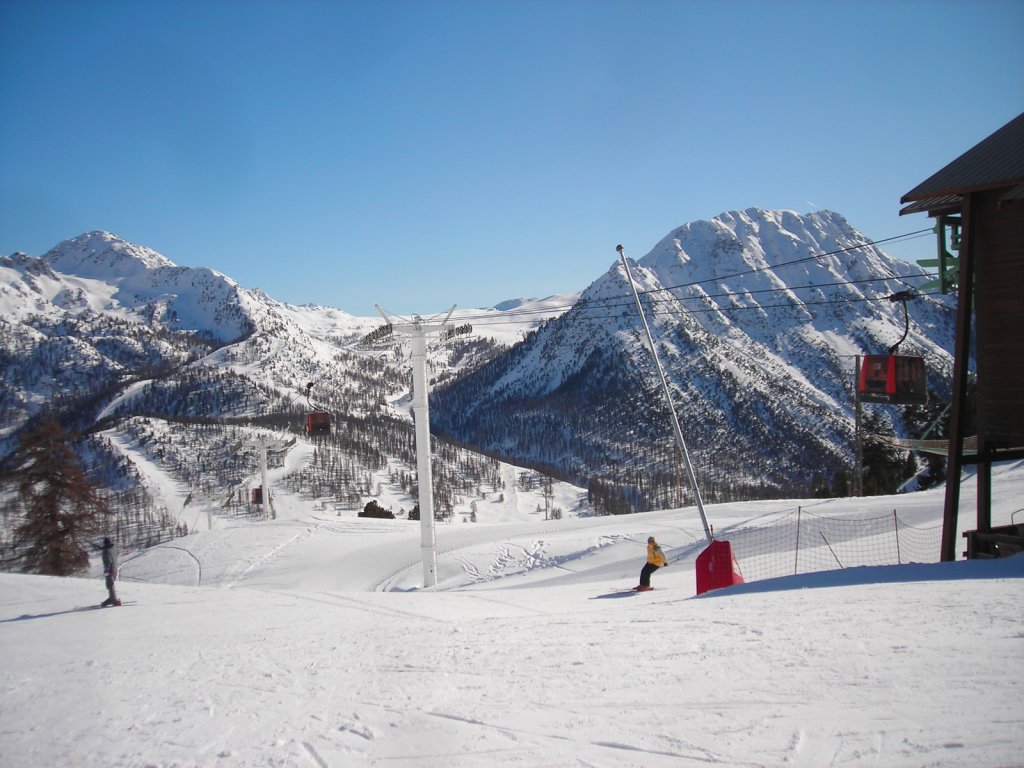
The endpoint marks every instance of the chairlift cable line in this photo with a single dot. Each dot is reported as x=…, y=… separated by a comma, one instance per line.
x=812, y=257
x=720, y=310
x=483, y=320
x=605, y=303
x=908, y=235
x=727, y=294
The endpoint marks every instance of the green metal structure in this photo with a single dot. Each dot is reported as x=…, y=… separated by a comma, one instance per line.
x=947, y=232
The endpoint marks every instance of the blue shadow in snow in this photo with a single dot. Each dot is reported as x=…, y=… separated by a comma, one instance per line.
x=1003, y=568
x=617, y=593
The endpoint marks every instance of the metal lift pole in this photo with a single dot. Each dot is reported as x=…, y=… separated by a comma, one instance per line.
x=417, y=329
x=264, y=485
x=261, y=444
x=668, y=399
x=424, y=473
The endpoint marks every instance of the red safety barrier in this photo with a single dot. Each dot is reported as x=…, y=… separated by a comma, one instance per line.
x=717, y=568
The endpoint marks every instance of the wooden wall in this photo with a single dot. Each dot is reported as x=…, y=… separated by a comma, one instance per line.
x=998, y=242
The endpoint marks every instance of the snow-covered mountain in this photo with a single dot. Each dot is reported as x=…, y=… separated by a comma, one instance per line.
x=758, y=316
x=96, y=311
x=137, y=352
x=148, y=284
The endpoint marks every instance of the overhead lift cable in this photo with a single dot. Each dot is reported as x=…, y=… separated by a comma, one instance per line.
x=623, y=300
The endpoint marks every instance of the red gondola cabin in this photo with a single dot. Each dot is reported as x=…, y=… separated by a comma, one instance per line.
x=256, y=497
x=893, y=379
x=318, y=423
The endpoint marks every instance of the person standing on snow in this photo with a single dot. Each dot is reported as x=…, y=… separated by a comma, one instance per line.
x=110, y=571
x=655, y=560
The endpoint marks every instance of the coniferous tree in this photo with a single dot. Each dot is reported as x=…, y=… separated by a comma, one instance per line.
x=374, y=509
x=59, y=507
x=883, y=464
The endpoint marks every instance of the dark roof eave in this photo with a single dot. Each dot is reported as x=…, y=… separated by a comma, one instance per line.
x=935, y=206
x=961, y=191
x=993, y=163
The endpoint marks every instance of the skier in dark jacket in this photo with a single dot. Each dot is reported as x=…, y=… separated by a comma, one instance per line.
x=110, y=571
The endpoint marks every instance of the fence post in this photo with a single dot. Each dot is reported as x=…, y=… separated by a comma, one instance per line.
x=796, y=554
x=896, y=527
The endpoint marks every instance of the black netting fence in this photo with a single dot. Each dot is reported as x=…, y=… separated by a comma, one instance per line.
x=805, y=542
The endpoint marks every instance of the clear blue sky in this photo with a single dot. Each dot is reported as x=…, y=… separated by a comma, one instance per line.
x=423, y=154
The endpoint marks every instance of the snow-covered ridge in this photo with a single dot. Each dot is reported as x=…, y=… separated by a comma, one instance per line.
x=104, y=255
x=758, y=315
x=118, y=337
x=200, y=300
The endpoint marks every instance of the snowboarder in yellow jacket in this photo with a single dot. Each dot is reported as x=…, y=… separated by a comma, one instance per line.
x=655, y=560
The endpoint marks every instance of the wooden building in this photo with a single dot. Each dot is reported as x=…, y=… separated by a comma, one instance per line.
x=982, y=194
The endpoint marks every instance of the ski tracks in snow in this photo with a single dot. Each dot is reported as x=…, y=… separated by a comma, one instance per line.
x=268, y=556
x=476, y=563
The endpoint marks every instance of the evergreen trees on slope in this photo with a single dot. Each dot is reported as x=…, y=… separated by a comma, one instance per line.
x=58, y=508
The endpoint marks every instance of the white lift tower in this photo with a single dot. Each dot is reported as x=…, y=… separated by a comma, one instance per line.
x=422, y=334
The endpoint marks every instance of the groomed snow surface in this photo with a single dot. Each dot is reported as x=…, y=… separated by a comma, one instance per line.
x=307, y=641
